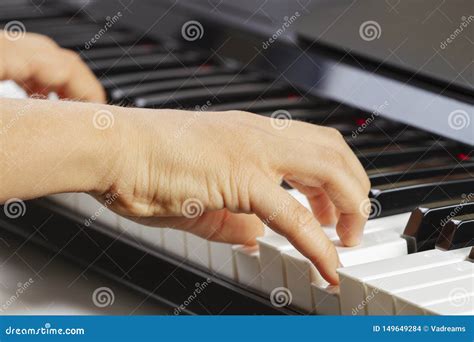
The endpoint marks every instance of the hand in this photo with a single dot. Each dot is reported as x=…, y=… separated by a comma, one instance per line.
x=208, y=173
x=40, y=66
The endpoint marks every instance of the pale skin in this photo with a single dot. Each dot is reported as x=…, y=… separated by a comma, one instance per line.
x=230, y=163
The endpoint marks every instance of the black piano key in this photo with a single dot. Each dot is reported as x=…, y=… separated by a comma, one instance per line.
x=426, y=222
x=405, y=196
x=318, y=114
x=132, y=78
x=119, y=51
x=138, y=63
x=66, y=30
x=471, y=255
x=367, y=141
x=181, y=84
x=457, y=233
x=112, y=38
x=420, y=173
x=29, y=12
x=399, y=154
x=218, y=94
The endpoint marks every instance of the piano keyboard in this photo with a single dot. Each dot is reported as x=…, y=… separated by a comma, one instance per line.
x=415, y=256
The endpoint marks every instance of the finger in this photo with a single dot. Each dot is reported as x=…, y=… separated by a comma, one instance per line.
x=297, y=224
x=225, y=226
x=81, y=84
x=61, y=71
x=323, y=209
x=320, y=167
x=336, y=140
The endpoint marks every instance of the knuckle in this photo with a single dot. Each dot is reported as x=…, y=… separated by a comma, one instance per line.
x=334, y=134
x=337, y=160
x=45, y=41
x=71, y=55
x=301, y=218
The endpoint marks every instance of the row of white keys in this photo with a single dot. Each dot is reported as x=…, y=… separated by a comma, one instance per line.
x=272, y=246
x=226, y=258
x=304, y=281
x=353, y=291
x=222, y=259
x=384, y=289
x=174, y=242
x=198, y=250
x=460, y=305
x=442, y=297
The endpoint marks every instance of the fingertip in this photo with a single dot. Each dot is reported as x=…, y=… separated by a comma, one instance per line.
x=350, y=229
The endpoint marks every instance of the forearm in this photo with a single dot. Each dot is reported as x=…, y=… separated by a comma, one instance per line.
x=49, y=147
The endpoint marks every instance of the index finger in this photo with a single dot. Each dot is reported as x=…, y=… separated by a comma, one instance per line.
x=297, y=224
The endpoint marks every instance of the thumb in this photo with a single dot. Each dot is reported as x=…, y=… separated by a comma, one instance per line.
x=225, y=226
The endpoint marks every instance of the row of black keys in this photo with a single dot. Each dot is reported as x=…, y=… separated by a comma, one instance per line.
x=407, y=167
x=446, y=225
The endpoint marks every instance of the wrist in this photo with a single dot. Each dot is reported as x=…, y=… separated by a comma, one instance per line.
x=103, y=148
x=57, y=147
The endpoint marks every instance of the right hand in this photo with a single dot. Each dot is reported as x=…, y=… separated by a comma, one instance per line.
x=230, y=165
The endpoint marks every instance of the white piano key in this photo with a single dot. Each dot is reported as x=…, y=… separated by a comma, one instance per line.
x=396, y=223
x=271, y=247
x=198, y=250
x=383, y=289
x=130, y=228
x=301, y=273
x=151, y=236
x=272, y=266
x=352, y=279
x=174, y=241
x=93, y=211
x=12, y=90
x=415, y=301
x=67, y=199
x=461, y=306
x=247, y=259
x=222, y=259
x=326, y=299
x=300, y=198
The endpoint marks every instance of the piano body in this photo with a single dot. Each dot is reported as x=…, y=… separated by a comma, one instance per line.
x=408, y=119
